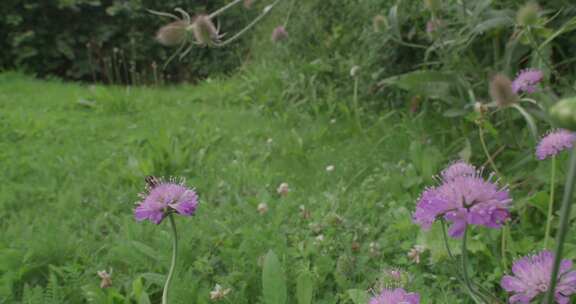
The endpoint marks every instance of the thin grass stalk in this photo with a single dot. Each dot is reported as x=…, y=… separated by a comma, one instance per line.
x=564, y=226
x=550, y=203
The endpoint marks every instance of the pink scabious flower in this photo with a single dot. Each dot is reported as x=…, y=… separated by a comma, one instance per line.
x=532, y=276
x=162, y=198
x=554, y=143
x=462, y=200
x=526, y=81
x=279, y=34
x=458, y=168
x=395, y=296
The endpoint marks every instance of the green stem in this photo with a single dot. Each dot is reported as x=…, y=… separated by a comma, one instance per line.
x=564, y=223
x=480, y=291
x=551, y=203
x=503, y=245
x=223, y=9
x=465, y=275
x=173, y=263
x=356, y=107
x=485, y=148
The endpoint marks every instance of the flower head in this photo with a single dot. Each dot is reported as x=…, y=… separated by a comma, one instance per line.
x=459, y=168
x=283, y=189
x=262, y=208
x=526, y=81
x=554, y=143
x=395, y=296
x=163, y=198
x=279, y=34
x=219, y=293
x=106, y=278
x=204, y=30
x=531, y=276
x=463, y=200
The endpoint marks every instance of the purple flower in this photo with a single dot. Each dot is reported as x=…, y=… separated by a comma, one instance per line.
x=459, y=168
x=279, y=34
x=532, y=276
x=395, y=296
x=554, y=143
x=527, y=80
x=463, y=200
x=162, y=198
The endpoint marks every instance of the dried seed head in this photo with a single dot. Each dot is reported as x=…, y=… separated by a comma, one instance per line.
x=172, y=34
x=528, y=14
x=279, y=34
x=204, y=30
x=433, y=5
x=248, y=3
x=501, y=91
x=106, y=278
x=379, y=23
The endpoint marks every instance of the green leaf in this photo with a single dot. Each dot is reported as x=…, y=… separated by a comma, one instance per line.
x=305, y=287
x=358, y=296
x=433, y=84
x=273, y=280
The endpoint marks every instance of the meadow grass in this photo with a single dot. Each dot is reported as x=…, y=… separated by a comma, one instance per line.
x=75, y=157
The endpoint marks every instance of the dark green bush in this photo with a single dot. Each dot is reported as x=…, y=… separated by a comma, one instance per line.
x=107, y=40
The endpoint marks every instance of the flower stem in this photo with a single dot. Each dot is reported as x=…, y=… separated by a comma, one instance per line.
x=224, y=8
x=465, y=276
x=173, y=263
x=564, y=223
x=551, y=203
x=356, y=106
x=504, y=245
x=485, y=148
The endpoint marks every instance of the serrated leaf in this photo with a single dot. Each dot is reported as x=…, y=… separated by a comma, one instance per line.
x=273, y=280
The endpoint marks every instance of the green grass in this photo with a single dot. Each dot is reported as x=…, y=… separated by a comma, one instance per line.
x=71, y=174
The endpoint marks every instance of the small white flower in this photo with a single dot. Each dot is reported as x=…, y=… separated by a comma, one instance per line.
x=269, y=141
x=333, y=120
x=283, y=189
x=330, y=168
x=354, y=71
x=106, y=278
x=218, y=293
x=414, y=253
x=262, y=208
x=320, y=238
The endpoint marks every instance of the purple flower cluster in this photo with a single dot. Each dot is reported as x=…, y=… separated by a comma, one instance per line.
x=554, y=143
x=163, y=198
x=463, y=198
x=395, y=296
x=532, y=276
x=526, y=81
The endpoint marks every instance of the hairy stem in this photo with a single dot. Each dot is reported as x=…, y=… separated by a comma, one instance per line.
x=174, y=257
x=485, y=148
x=465, y=276
x=564, y=225
x=551, y=203
x=224, y=8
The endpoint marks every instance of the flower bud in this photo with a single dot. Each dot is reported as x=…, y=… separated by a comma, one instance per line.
x=501, y=91
x=528, y=14
x=564, y=113
x=204, y=30
x=379, y=23
x=279, y=34
x=172, y=34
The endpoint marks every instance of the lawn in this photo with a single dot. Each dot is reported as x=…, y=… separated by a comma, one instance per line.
x=75, y=157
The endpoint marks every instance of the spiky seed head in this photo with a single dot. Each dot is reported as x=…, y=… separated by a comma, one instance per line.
x=379, y=23
x=433, y=5
x=528, y=14
x=172, y=34
x=204, y=30
x=501, y=91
